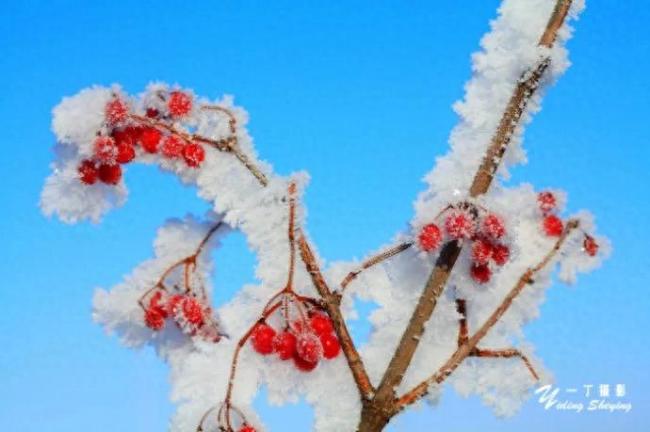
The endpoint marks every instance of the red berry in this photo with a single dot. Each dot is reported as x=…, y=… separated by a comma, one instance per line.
x=284, y=344
x=247, y=428
x=302, y=364
x=262, y=339
x=500, y=254
x=321, y=324
x=493, y=226
x=154, y=318
x=193, y=154
x=116, y=111
x=172, y=146
x=150, y=138
x=192, y=311
x=179, y=103
x=546, y=201
x=330, y=344
x=553, y=226
x=110, y=174
x=480, y=273
x=87, y=172
x=173, y=304
x=125, y=153
x=308, y=347
x=129, y=135
x=152, y=113
x=481, y=251
x=429, y=237
x=105, y=149
x=460, y=224
x=590, y=246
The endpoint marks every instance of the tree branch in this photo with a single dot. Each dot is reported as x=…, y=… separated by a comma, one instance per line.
x=384, y=402
x=389, y=253
x=469, y=347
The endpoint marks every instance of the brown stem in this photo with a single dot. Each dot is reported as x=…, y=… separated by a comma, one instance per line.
x=384, y=400
x=331, y=303
x=374, y=261
x=506, y=353
x=463, y=333
x=470, y=345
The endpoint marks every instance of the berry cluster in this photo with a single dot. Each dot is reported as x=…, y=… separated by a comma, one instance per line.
x=153, y=133
x=305, y=341
x=190, y=314
x=553, y=226
x=467, y=221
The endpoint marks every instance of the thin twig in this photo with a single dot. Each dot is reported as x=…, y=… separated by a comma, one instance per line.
x=389, y=253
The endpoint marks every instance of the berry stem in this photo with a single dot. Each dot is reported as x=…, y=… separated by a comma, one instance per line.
x=389, y=253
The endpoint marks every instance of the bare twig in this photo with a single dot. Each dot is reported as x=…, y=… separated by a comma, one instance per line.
x=389, y=253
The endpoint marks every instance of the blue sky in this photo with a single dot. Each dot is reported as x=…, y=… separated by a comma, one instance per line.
x=358, y=94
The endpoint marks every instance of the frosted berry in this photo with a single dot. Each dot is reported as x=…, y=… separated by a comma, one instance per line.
x=321, y=324
x=481, y=251
x=553, y=225
x=150, y=138
x=262, y=339
x=193, y=154
x=308, y=347
x=152, y=113
x=284, y=345
x=493, y=227
x=481, y=273
x=154, y=318
x=88, y=172
x=116, y=111
x=125, y=153
x=173, y=304
x=429, y=237
x=172, y=147
x=110, y=174
x=590, y=246
x=247, y=428
x=500, y=254
x=459, y=224
x=192, y=311
x=179, y=104
x=302, y=364
x=330, y=344
x=546, y=201
x=105, y=149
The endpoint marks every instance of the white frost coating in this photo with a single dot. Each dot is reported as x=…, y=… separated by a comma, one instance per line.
x=199, y=370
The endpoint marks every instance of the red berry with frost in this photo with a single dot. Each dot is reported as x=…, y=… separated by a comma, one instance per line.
x=303, y=365
x=173, y=304
x=330, y=344
x=172, y=146
x=481, y=251
x=193, y=154
x=88, y=172
x=546, y=201
x=125, y=153
x=429, y=237
x=110, y=174
x=460, y=224
x=152, y=113
x=481, y=273
x=493, y=226
x=321, y=324
x=308, y=347
x=590, y=246
x=284, y=345
x=247, y=428
x=553, y=226
x=500, y=254
x=105, y=149
x=262, y=339
x=150, y=139
x=154, y=318
x=116, y=111
x=192, y=311
x=179, y=104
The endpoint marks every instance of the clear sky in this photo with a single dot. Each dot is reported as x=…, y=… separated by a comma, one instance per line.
x=357, y=93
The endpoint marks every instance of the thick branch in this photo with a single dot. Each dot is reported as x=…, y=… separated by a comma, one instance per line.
x=445, y=263
x=331, y=302
x=469, y=346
